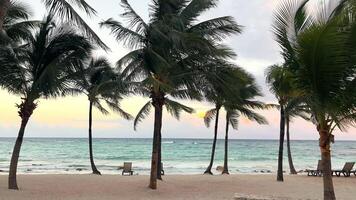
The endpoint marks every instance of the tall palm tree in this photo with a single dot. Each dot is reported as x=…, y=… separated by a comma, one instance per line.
x=100, y=83
x=242, y=107
x=234, y=93
x=43, y=67
x=279, y=78
x=217, y=90
x=319, y=48
x=170, y=51
x=294, y=108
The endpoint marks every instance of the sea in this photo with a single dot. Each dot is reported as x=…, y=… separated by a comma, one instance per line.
x=179, y=156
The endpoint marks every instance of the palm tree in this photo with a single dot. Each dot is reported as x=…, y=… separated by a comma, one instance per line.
x=319, y=48
x=40, y=68
x=293, y=108
x=169, y=55
x=217, y=90
x=234, y=93
x=100, y=83
x=279, y=78
x=242, y=107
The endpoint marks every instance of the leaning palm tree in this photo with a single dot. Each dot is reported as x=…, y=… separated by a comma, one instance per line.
x=43, y=67
x=101, y=84
x=279, y=78
x=319, y=49
x=170, y=53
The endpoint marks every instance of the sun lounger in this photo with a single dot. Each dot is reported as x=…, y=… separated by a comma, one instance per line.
x=317, y=172
x=346, y=170
x=127, y=169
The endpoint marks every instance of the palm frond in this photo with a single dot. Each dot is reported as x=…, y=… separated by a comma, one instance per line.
x=129, y=37
x=65, y=11
x=142, y=114
x=175, y=108
x=209, y=115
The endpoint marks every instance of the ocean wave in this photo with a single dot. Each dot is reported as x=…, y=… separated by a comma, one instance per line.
x=168, y=142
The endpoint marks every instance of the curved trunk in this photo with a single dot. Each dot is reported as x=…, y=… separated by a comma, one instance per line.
x=25, y=112
x=159, y=167
x=324, y=143
x=226, y=170
x=290, y=160
x=208, y=170
x=281, y=141
x=93, y=167
x=15, y=156
x=4, y=6
x=158, y=104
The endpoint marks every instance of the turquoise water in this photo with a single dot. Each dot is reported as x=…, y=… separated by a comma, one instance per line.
x=180, y=156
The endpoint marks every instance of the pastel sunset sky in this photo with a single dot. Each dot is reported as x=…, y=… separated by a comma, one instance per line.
x=67, y=117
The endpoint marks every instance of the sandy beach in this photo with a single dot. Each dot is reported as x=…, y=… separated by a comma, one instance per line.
x=90, y=187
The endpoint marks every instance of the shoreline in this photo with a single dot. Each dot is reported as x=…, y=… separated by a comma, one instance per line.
x=175, y=187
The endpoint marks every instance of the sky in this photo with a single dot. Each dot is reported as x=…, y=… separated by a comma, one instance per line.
x=256, y=49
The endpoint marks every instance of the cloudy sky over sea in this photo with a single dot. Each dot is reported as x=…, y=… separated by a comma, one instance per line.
x=67, y=117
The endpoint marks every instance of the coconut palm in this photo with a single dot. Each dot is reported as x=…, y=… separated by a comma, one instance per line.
x=101, y=84
x=170, y=51
x=234, y=93
x=279, y=79
x=242, y=107
x=43, y=67
x=217, y=89
x=318, y=45
x=294, y=108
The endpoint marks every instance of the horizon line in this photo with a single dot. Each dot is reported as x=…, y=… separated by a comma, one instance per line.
x=267, y=139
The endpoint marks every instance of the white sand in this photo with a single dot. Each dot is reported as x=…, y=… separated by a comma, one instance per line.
x=110, y=187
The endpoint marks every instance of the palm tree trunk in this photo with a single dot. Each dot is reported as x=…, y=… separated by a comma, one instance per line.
x=290, y=160
x=324, y=143
x=159, y=167
x=281, y=141
x=226, y=170
x=158, y=105
x=25, y=112
x=93, y=167
x=4, y=6
x=208, y=170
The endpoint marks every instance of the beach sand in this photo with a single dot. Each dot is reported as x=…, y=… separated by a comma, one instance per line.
x=110, y=187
